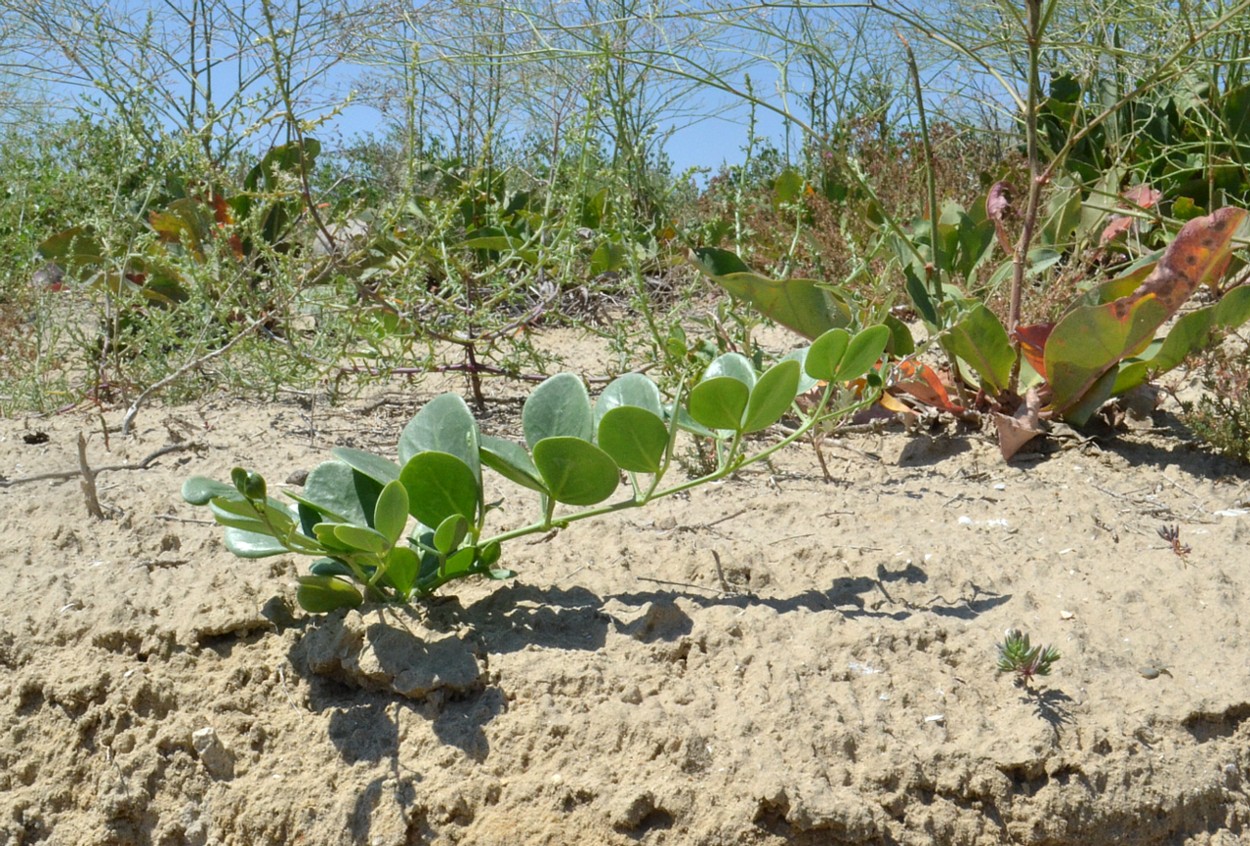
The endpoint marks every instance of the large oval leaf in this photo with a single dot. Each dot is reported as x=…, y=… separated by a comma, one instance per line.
x=719, y=402
x=735, y=365
x=559, y=407
x=799, y=304
x=576, y=471
x=980, y=339
x=361, y=538
x=381, y=470
x=445, y=424
x=440, y=485
x=772, y=396
x=340, y=494
x=402, y=565
x=635, y=438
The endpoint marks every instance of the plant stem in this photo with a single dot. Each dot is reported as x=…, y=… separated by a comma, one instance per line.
x=726, y=469
x=1037, y=178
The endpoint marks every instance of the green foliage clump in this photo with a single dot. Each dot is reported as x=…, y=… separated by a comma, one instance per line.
x=354, y=512
x=1221, y=416
x=1017, y=655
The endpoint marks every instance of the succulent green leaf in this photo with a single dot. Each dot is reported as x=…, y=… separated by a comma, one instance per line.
x=198, y=490
x=511, y=461
x=719, y=402
x=736, y=365
x=826, y=354
x=980, y=340
x=326, y=535
x=440, y=485
x=634, y=437
x=631, y=389
x=249, y=516
x=772, y=396
x=576, y=471
x=362, y=538
x=331, y=567
x=450, y=534
x=390, y=514
x=488, y=556
x=444, y=424
x=559, y=407
x=460, y=563
x=340, y=494
x=381, y=470
x=322, y=594
x=863, y=352
x=247, y=544
x=402, y=565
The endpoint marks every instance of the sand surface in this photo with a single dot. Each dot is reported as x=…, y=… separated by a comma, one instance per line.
x=773, y=659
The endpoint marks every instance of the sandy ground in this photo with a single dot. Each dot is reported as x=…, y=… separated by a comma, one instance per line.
x=769, y=660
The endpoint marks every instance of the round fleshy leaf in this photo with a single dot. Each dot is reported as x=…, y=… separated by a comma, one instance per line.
x=826, y=354
x=735, y=365
x=559, y=407
x=321, y=594
x=450, y=533
x=444, y=424
x=772, y=396
x=340, y=494
x=439, y=485
x=632, y=389
x=460, y=563
x=719, y=402
x=635, y=438
x=576, y=471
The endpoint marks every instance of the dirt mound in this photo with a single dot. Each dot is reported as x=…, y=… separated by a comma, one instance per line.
x=768, y=660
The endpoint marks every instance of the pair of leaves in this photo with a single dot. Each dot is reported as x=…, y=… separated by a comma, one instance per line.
x=558, y=424
x=730, y=397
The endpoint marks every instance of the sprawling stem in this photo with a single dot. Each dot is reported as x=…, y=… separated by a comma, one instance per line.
x=725, y=468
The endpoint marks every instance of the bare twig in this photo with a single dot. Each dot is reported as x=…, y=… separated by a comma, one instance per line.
x=63, y=475
x=88, y=480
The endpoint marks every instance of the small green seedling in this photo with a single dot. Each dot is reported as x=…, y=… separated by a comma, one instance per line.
x=390, y=531
x=1016, y=655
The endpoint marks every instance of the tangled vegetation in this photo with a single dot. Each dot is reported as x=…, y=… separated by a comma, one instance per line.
x=1005, y=176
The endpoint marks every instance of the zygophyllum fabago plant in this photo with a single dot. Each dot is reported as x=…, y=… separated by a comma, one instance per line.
x=355, y=514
